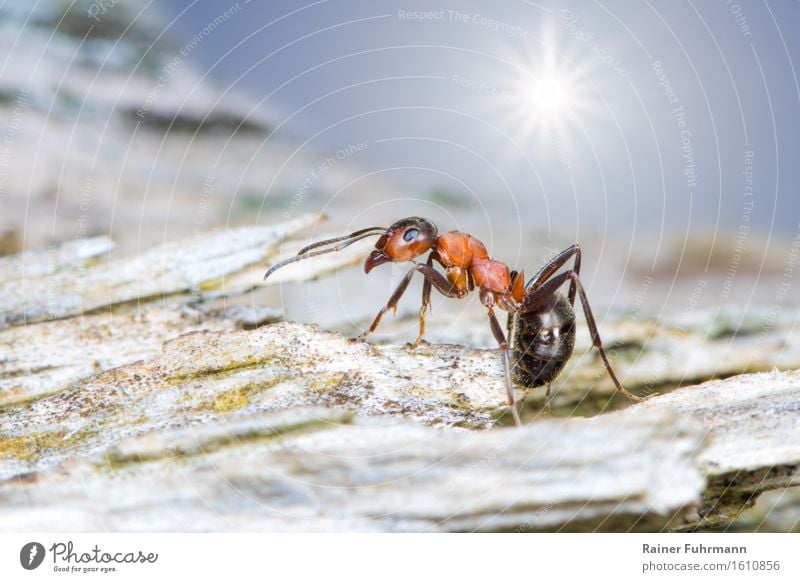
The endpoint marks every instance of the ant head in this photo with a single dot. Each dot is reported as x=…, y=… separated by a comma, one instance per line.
x=403, y=241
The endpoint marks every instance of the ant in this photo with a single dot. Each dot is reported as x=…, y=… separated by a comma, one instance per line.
x=541, y=321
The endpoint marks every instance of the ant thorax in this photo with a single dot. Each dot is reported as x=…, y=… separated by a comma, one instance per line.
x=458, y=249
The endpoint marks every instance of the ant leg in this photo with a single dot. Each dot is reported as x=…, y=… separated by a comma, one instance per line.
x=443, y=284
x=438, y=280
x=554, y=265
x=392, y=304
x=511, y=320
x=501, y=339
x=426, y=303
x=546, y=290
x=547, y=399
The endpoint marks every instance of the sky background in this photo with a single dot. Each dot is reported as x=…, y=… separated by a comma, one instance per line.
x=615, y=117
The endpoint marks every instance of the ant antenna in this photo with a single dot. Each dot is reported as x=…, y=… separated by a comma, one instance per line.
x=348, y=240
x=376, y=229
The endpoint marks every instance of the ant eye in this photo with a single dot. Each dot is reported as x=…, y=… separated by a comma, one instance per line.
x=410, y=234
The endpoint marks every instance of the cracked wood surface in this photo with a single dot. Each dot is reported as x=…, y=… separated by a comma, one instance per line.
x=233, y=407
x=130, y=403
x=68, y=281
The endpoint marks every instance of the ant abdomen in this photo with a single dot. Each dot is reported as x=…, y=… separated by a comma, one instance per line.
x=542, y=341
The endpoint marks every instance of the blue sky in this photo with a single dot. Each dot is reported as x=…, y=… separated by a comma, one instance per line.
x=677, y=116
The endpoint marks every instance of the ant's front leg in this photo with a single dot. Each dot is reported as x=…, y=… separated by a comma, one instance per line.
x=431, y=275
x=392, y=304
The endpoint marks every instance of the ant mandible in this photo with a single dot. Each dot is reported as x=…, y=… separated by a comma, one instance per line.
x=541, y=321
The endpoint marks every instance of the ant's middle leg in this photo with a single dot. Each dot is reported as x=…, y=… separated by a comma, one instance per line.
x=497, y=331
x=426, y=303
x=442, y=284
x=538, y=297
x=392, y=303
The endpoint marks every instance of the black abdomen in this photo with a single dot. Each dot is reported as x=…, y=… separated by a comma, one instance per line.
x=542, y=342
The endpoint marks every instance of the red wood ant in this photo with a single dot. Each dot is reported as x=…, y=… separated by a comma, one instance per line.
x=541, y=321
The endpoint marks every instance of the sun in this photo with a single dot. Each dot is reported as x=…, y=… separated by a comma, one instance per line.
x=548, y=95
x=542, y=92
x=548, y=99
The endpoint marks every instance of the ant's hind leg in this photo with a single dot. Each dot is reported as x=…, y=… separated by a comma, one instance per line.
x=392, y=304
x=598, y=343
x=501, y=339
x=538, y=297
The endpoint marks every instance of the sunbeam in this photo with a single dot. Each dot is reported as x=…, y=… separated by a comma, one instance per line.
x=550, y=94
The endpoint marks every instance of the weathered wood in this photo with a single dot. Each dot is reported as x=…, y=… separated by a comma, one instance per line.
x=119, y=419
x=221, y=421
x=46, y=288
x=69, y=256
x=207, y=373
x=649, y=356
x=47, y=358
x=754, y=447
x=653, y=356
x=314, y=469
